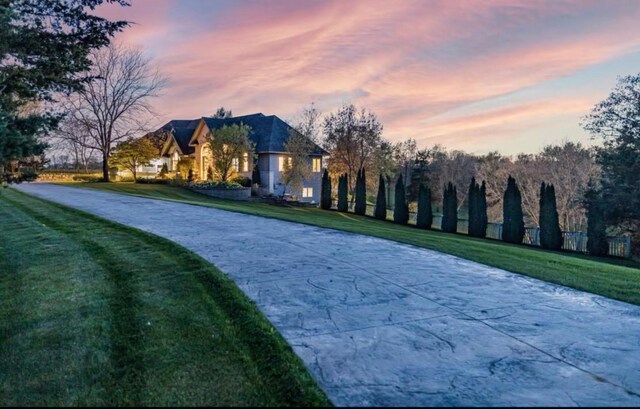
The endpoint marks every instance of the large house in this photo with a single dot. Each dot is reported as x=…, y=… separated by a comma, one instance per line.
x=188, y=138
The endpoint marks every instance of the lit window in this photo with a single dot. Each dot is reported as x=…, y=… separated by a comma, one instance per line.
x=245, y=162
x=282, y=160
x=316, y=164
x=234, y=164
x=307, y=192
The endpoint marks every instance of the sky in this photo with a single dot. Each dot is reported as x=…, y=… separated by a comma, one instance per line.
x=481, y=76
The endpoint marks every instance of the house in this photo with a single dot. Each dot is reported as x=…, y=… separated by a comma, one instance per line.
x=188, y=139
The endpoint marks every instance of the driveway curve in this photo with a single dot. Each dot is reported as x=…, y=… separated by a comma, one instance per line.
x=382, y=323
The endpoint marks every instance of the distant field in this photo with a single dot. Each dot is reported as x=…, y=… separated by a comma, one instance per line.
x=93, y=313
x=614, y=278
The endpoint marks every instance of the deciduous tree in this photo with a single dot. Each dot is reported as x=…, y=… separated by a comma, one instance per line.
x=132, y=153
x=352, y=138
x=227, y=143
x=298, y=165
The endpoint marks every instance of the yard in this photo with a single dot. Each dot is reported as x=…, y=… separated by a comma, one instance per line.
x=614, y=278
x=96, y=313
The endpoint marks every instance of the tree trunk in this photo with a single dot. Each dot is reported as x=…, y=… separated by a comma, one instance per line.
x=105, y=167
x=135, y=178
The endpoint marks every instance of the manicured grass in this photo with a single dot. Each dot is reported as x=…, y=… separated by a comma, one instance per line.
x=614, y=278
x=96, y=313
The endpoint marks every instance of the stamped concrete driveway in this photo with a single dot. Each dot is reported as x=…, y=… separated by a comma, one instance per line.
x=382, y=323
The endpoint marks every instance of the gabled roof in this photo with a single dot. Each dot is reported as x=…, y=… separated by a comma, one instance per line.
x=181, y=131
x=268, y=133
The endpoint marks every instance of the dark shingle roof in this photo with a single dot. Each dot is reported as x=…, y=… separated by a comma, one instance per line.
x=182, y=130
x=268, y=133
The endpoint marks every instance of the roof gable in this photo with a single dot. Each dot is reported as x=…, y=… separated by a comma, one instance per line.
x=181, y=131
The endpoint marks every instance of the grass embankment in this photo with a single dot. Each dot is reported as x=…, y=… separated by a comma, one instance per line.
x=614, y=278
x=96, y=313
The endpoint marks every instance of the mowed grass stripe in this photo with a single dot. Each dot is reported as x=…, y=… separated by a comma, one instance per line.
x=614, y=278
x=168, y=328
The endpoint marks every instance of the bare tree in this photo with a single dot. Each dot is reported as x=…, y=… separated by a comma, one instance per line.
x=494, y=169
x=568, y=167
x=74, y=139
x=307, y=122
x=115, y=105
x=455, y=166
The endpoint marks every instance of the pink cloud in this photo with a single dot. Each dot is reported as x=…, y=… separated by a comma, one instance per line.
x=410, y=62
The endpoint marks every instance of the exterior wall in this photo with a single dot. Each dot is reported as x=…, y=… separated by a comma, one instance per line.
x=271, y=177
x=154, y=167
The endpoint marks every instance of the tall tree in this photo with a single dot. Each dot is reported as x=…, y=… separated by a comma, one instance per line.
x=325, y=192
x=472, y=206
x=133, y=153
x=597, y=244
x=255, y=175
x=425, y=213
x=352, y=138
x=482, y=206
x=616, y=121
x=307, y=122
x=228, y=143
x=115, y=104
x=401, y=208
x=361, y=194
x=550, y=232
x=450, y=209
x=343, y=203
x=222, y=113
x=44, y=46
x=381, y=200
x=512, y=219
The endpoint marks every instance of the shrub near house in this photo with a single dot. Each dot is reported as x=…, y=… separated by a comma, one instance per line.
x=221, y=189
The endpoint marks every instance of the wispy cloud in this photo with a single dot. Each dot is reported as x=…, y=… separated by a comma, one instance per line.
x=414, y=63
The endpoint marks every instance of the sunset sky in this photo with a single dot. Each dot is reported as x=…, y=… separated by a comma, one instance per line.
x=474, y=75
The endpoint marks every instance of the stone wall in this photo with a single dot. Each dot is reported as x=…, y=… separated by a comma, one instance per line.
x=233, y=194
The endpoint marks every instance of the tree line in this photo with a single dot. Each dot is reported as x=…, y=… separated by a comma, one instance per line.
x=513, y=225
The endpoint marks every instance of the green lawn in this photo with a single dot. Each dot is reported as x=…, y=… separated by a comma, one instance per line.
x=96, y=313
x=614, y=278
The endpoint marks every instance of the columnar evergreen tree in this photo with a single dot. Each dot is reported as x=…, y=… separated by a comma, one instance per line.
x=325, y=191
x=361, y=194
x=513, y=219
x=343, y=204
x=450, y=209
x=597, y=244
x=381, y=200
x=482, y=206
x=550, y=233
x=425, y=213
x=401, y=209
x=255, y=175
x=473, y=197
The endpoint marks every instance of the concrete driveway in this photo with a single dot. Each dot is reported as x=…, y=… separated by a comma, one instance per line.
x=382, y=323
